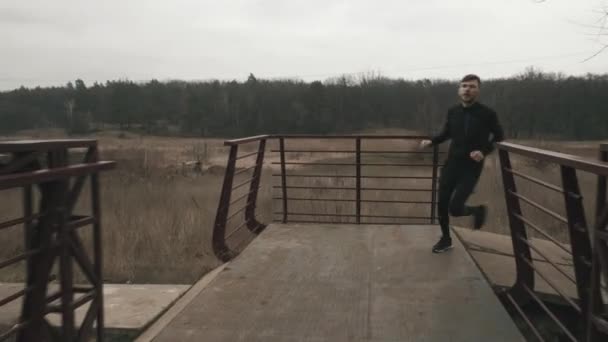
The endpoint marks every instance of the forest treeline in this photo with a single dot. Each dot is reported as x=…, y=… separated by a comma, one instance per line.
x=531, y=104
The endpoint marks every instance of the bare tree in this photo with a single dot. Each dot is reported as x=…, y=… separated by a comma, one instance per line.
x=600, y=26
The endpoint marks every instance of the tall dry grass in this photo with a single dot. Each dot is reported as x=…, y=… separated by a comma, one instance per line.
x=158, y=213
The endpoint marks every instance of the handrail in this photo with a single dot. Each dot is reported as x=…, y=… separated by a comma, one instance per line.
x=12, y=146
x=587, y=265
x=222, y=247
x=580, y=163
x=245, y=140
x=588, y=268
x=353, y=136
x=46, y=165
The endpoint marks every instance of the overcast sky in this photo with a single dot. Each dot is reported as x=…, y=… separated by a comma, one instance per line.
x=51, y=42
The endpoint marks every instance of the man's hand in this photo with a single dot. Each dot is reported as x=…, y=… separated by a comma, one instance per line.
x=476, y=156
x=425, y=143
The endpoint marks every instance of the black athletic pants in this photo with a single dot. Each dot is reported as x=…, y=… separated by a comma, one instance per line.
x=458, y=179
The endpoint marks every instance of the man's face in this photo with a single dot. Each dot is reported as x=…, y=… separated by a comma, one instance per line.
x=468, y=91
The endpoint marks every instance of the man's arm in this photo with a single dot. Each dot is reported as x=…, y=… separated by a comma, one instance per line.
x=444, y=134
x=497, y=134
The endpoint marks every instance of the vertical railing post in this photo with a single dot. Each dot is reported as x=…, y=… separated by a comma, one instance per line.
x=600, y=255
x=219, y=229
x=283, y=177
x=434, y=185
x=600, y=202
x=579, y=237
x=59, y=158
x=252, y=224
x=97, y=246
x=523, y=257
x=358, y=179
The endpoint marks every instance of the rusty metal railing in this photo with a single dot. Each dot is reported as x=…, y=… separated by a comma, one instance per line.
x=589, y=305
x=224, y=245
x=356, y=170
x=245, y=215
x=590, y=265
x=50, y=237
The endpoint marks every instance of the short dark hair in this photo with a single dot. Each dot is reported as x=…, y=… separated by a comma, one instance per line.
x=471, y=77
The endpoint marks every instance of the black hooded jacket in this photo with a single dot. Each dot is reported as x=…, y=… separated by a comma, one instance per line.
x=470, y=129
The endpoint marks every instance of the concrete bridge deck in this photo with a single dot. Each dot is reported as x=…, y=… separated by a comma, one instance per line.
x=343, y=283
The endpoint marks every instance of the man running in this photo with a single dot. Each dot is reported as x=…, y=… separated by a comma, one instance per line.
x=473, y=129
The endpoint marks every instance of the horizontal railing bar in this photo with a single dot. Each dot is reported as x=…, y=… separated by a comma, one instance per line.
x=353, y=215
x=84, y=299
x=54, y=296
x=248, y=181
x=81, y=222
x=44, y=145
x=399, y=152
x=525, y=317
x=315, y=214
x=239, y=199
x=244, y=170
x=15, y=296
x=579, y=163
x=549, y=312
x=247, y=155
x=390, y=201
x=397, y=177
x=353, y=137
x=315, y=199
x=545, y=278
x=314, y=187
x=238, y=211
x=355, y=164
x=21, y=220
x=315, y=151
x=398, y=189
x=352, y=176
x=542, y=232
x=47, y=175
x=535, y=180
x=75, y=304
x=313, y=163
x=397, y=217
x=13, y=330
x=83, y=289
x=235, y=230
x=392, y=223
x=353, y=151
x=546, y=259
x=244, y=195
x=397, y=164
x=539, y=207
x=245, y=140
x=315, y=176
x=19, y=257
x=311, y=221
x=350, y=200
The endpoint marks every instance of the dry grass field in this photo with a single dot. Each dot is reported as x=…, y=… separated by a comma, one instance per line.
x=158, y=211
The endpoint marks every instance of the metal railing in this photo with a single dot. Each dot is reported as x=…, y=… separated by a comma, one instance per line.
x=590, y=265
x=356, y=197
x=357, y=167
x=224, y=245
x=588, y=306
x=50, y=237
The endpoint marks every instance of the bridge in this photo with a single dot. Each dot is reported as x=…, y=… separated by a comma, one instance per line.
x=333, y=262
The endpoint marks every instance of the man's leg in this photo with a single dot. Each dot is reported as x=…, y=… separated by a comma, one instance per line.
x=447, y=184
x=466, y=184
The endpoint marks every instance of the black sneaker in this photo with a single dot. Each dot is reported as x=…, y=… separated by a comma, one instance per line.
x=443, y=245
x=479, y=218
